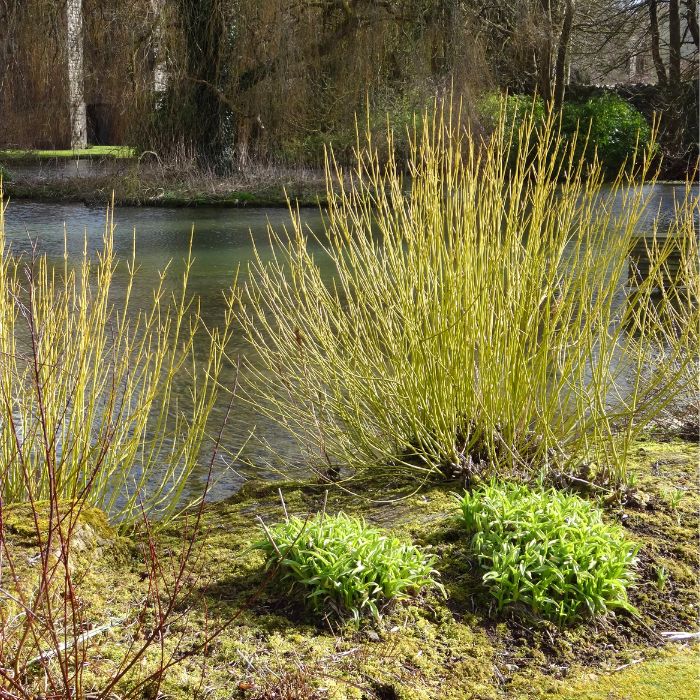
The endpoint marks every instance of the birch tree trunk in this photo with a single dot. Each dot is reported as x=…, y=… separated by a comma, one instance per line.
x=76, y=89
x=160, y=73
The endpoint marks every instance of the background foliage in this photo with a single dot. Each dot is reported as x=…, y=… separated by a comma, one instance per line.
x=244, y=80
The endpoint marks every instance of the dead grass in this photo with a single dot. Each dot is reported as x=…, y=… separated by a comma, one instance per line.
x=150, y=181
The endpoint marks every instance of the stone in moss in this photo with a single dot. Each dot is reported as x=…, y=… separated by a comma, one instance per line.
x=91, y=537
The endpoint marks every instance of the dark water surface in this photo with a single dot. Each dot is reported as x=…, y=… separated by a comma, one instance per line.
x=222, y=242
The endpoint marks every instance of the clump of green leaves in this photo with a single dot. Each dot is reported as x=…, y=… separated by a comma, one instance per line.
x=548, y=550
x=344, y=563
x=617, y=130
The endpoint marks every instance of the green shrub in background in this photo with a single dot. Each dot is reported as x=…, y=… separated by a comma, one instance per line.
x=548, y=550
x=341, y=561
x=616, y=128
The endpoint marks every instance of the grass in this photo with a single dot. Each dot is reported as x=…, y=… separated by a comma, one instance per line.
x=353, y=569
x=153, y=183
x=472, y=324
x=547, y=550
x=674, y=675
x=441, y=649
x=89, y=152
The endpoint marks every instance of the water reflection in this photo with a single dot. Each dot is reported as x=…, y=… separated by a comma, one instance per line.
x=222, y=243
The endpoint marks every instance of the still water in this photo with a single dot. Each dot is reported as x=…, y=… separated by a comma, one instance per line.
x=222, y=243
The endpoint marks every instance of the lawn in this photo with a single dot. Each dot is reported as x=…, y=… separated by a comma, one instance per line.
x=672, y=676
x=90, y=152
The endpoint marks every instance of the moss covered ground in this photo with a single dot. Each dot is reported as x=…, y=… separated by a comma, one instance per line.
x=428, y=647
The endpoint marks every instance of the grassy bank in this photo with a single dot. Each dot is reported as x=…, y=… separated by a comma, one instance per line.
x=143, y=183
x=427, y=647
x=19, y=156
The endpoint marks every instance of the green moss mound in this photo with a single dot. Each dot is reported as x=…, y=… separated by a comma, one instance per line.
x=91, y=535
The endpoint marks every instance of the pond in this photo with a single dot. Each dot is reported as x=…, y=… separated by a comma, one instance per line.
x=222, y=243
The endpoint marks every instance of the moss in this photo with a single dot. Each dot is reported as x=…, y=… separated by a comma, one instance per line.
x=673, y=675
x=429, y=647
x=120, y=152
x=92, y=534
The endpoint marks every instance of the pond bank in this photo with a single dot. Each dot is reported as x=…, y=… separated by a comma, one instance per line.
x=138, y=182
x=429, y=647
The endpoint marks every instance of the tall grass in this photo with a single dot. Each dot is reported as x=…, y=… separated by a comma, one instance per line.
x=87, y=411
x=478, y=314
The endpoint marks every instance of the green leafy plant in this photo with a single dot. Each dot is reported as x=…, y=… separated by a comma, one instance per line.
x=617, y=130
x=344, y=563
x=548, y=550
x=661, y=577
x=674, y=498
x=605, y=125
x=482, y=317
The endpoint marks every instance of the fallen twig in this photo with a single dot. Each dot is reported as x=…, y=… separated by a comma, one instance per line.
x=631, y=663
x=269, y=536
x=45, y=656
x=680, y=636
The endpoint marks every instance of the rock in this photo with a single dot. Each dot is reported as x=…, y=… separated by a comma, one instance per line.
x=90, y=538
x=637, y=499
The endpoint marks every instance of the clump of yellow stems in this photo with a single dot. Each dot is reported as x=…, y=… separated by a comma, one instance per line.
x=87, y=411
x=481, y=316
x=673, y=325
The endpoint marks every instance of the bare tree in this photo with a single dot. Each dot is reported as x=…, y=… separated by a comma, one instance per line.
x=656, y=42
x=692, y=19
x=674, y=43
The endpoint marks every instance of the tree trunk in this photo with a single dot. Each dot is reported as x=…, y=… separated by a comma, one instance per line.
x=543, y=54
x=692, y=17
x=674, y=54
x=561, y=78
x=160, y=73
x=655, y=43
x=76, y=89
